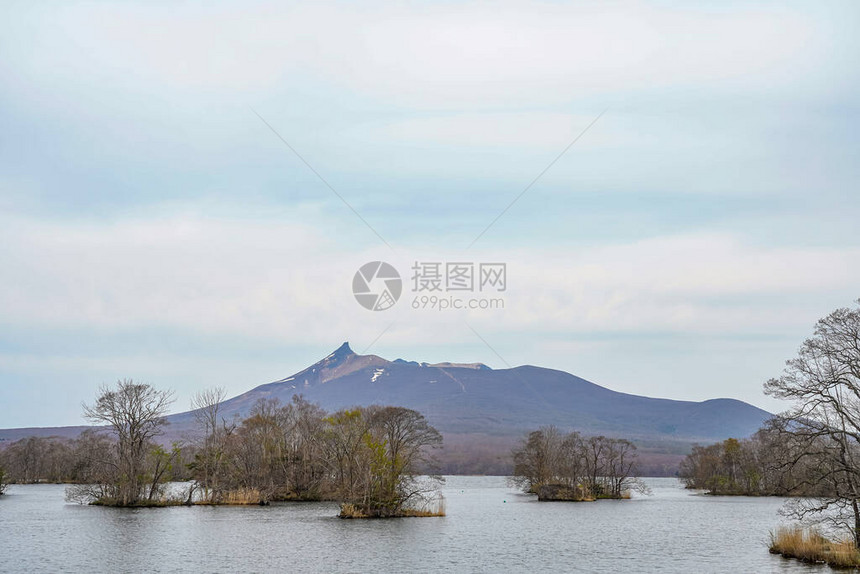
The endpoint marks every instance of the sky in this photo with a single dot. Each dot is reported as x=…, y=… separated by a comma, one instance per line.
x=188, y=189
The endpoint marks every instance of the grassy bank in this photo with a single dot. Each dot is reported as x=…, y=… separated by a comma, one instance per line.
x=808, y=545
x=348, y=510
x=564, y=493
x=238, y=497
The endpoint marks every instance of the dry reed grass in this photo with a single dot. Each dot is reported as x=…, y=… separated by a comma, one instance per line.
x=241, y=496
x=808, y=545
x=348, y=510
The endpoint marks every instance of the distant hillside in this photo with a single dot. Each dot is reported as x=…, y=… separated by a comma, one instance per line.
x=483, y=411
x=473, y=398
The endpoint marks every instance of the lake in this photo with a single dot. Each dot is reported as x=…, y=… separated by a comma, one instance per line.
x=489, y=528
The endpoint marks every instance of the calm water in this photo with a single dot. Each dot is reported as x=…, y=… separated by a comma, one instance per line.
x=489, y=528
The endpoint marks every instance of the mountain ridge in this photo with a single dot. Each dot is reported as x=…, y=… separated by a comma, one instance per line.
x=483, y=412
x=516, y=398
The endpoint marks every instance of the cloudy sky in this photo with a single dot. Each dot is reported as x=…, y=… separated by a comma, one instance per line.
x=153, y=226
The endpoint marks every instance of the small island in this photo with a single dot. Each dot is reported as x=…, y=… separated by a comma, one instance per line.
x=573, y=468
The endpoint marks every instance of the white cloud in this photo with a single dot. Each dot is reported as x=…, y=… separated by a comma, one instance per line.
x=424, y=56
x=288, y=280
x=285, y=284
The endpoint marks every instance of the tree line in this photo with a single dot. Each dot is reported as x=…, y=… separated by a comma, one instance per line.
x=568, y=466
x=762, y=465
x=368, y=458
x=63, y=460
x=812, y=450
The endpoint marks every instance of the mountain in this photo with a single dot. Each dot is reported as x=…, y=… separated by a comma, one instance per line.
x=483, y=412
x=472, y=398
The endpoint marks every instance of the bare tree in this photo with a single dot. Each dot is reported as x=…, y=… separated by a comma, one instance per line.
x=823, y=426
x=95, y=468
x=135, y=414
x=620, y=465
x=375, y=455
x=536, y=460
x=343, y=443
x=208, y=462
x=304, y=467
x=405, y=439
x=206, y=405
x=594, y=459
